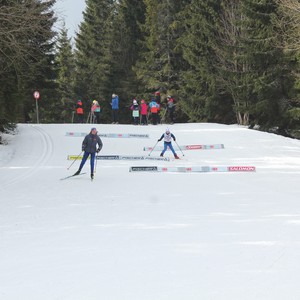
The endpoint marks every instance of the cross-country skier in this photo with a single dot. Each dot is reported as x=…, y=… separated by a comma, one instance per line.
x=89, y=146
x=168, y=136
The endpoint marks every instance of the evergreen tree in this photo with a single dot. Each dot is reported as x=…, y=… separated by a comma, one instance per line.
x=63, y=105
x=126, y=36
x=234, y=63
x=93, y=54
x=203, y=98
x=233, y=69
x=289, y=22
x=157, y=65
x=268, y=69
x=26, y=56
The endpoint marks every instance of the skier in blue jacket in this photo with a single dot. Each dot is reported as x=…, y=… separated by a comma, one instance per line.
x=89, y=146
x=168, y=136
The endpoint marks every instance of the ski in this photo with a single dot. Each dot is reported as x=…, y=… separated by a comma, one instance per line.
x=70, y=176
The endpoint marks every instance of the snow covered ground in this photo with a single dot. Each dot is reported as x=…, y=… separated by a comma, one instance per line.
x=149, y=235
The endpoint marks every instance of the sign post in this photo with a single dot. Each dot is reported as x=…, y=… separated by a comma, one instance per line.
x=36, y=95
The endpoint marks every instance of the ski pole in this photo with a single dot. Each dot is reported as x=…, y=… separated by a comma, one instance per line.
x=153, y=148
x=88, y=118
x=74, y=160
x=179, y=148
x=95, y=164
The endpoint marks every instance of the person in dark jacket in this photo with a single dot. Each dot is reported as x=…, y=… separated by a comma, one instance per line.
x=168, y=136
x=171, y=108
x=89, y=146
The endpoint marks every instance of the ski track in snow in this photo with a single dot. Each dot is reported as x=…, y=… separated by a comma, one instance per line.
x=149, y=236
x=29, y=160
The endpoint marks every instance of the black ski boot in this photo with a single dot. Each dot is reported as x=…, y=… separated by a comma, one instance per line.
x=77, y=173
x=92, y=176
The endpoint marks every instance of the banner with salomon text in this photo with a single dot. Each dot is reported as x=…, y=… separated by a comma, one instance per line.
x=193, y=169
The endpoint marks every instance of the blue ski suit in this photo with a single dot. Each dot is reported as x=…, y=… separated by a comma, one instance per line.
x=89, y=146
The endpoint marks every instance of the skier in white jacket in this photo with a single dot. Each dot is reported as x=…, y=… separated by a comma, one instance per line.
x=168, y=136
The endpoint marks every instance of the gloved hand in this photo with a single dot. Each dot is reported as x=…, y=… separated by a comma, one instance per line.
x=98, y=150
x=158, y=140
x=174, y=140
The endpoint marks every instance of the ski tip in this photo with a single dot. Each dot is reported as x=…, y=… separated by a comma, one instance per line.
x=71, y=176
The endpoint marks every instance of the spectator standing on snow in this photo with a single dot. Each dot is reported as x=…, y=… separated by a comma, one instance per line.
x=157, y=97
x=95, y=111
x=168, y=136
x=170, y=108
x=154, y=108
x=115, y=108
x=89, y=146
x=135, y=112
x=144, y=112
x=79, y=111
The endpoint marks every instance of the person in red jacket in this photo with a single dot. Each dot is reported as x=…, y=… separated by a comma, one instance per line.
x=79, y=111
x=144, y=112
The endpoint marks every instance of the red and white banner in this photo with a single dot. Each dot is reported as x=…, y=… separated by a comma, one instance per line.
x=202, y=169
x=188, y=147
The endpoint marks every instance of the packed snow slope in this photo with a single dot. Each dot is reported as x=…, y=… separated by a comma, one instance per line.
x=149, y=235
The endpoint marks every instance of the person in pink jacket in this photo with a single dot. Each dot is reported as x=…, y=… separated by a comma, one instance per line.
x=95, y=111
x=144, y=112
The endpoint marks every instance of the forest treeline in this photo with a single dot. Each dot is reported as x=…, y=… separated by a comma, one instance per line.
x=221, y=60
